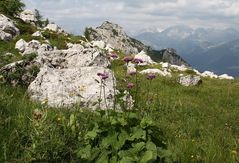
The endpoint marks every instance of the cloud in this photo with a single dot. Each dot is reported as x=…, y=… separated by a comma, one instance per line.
x=134, y=15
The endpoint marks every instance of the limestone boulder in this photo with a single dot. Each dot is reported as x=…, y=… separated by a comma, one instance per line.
x=209, y=74
x=114, y=35
x=21, y=45
x=190, y=80
x=156, y=71
x=8, y=30
x=145, y=58
x=73, y=86
x=28, y=16
x=226, y=76
x=54, y=27
x=37, y=34
x=99, y=44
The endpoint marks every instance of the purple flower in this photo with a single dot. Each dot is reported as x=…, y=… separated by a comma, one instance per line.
x=132, y=73
x=114, y=56
x=130, y=85
x=138, y=60
x=103, y=76
x=151, y=76
x=128, y=59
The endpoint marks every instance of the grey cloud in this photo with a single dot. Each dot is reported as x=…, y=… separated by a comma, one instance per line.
x=134, y=15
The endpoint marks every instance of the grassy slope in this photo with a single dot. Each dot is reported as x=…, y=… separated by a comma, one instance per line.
x=201, y=122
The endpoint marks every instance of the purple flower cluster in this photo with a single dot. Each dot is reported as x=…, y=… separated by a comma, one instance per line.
x=151, y=76
x=138, y=60
x=130, y=85
x=114, y=55
x=128, y=59
x=103, y=76
x=132, y=73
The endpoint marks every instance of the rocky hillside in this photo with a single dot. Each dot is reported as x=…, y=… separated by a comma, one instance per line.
x=63, y=70
x=114, y=35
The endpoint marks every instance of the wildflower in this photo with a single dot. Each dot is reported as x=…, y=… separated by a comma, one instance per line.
x=128, y=59
x=130, y=85
x=103, y=76
x=132, y=73
x=138, y=60
x=151, y=76
x=114, y=56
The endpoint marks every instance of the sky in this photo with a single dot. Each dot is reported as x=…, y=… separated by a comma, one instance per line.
x=137, y=15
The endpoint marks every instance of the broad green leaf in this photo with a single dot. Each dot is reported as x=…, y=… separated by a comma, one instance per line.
x=137, y=133
x=85, y=153
x=103, y=158
x=94, y=153
x=147, y=156
x=113, y=159
x=109, y=140
x=133, y=116
x=93, y=134
x=127, y=160
x=152, y=147
x=122, y=121
x=123, y=136
x=146, y=122
x=138, y=147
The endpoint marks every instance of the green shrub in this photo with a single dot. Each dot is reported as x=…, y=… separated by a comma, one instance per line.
x=11, y=7
x=124, y=137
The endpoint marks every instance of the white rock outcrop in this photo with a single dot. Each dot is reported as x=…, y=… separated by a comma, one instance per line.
x=7, y=28
x=32, y=47
x=226, y=76
x=165, y=65
x=114, y=35
x=54, y=27
x=209, y=74
x=37, y=34
x=74, y=86
x=21, y=45
x=28, y=16
x=156, y=71
x=69, y=77
x=190, y=80
x=144, y=57
x=99, y=44
x=179, y=68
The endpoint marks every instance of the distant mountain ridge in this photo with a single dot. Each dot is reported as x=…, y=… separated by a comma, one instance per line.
x=114, y=36
x=205, y=49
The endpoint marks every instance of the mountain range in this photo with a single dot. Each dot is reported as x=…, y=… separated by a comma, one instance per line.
x=216, y=50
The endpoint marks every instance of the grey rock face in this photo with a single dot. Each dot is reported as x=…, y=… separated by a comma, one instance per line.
x=114, y=35
x=170, y=56
x=7, y=28
x=190, y=80
x=25, y=72
x=21, y=45
x=28, y=16
x=54, y=27
x=72, y=58
x=66, y=87
x=69, y=77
